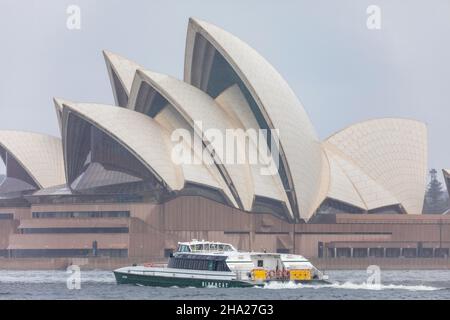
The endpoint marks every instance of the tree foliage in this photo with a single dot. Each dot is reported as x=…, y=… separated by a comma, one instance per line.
x=436, y=197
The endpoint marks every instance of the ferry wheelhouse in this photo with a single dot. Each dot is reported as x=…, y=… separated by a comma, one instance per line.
x=217, y=264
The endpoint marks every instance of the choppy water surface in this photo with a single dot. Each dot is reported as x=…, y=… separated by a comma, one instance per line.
x=346, y=285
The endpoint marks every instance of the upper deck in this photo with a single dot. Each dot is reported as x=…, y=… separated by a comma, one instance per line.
x=197, y=246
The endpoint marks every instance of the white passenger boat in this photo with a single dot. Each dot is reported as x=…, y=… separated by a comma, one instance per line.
x=216, y=264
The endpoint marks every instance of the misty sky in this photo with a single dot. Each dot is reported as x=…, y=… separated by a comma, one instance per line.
x=341, y=71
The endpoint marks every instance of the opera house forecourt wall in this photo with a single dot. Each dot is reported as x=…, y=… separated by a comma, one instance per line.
x=127, y=182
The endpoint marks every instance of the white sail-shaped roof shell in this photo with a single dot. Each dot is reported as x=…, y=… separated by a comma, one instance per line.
x=341, y=187
x=125, y=70
x=139, y=134
x=265, y=184
x=391, y=158
x=148, y=141
x=351, y=185
x=39, y=155
x=59, y=105
x=199, y=171
x=202, y=114
x=300, y=148
x=121, y=74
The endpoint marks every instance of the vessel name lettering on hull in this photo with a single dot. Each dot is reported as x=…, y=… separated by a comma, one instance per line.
x=214, y=284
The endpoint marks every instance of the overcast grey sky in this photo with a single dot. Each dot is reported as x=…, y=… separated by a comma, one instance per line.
x=342, y=72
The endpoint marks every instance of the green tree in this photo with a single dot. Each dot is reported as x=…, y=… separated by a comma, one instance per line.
x=436, y=199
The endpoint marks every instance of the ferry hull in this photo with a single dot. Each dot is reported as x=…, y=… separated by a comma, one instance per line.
x=162, y=281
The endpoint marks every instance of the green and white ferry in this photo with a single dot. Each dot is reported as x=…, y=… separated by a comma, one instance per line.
x=215, y=264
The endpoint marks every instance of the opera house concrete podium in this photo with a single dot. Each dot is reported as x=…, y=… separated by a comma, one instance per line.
x=109, y=187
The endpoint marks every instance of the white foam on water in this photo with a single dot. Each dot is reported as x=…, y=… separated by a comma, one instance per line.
x=60, y=277
x=53, y=277
x=350, y=286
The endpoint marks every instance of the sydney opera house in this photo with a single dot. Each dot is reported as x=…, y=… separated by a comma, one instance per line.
x=447, y=178
x=109, y=187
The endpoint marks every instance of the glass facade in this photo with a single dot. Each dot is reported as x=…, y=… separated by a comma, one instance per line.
x=81, y=214
x=396, y=209
x=267, y=205
x=75, y=230
x=6, y=216
x=98, y=164
x=85, y=199
x=121, y=95
x=331, y=206
x=193, y=189
x=149, y=101
x=17, y=180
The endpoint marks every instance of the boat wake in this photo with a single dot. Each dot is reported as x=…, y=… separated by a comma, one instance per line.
x=351, y=286
x=41, y=277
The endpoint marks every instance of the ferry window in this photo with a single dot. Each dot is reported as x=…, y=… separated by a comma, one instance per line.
x=260, y=263
x=212, y=246
x=226, y=248
x=196, y=264
x=184, y=248
x=211, y=265
x=222, y=266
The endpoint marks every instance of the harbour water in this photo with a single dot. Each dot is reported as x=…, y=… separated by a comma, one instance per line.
x=43, y=285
